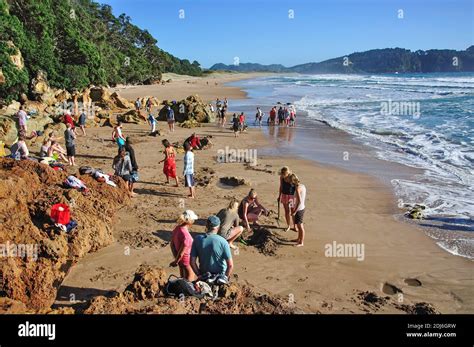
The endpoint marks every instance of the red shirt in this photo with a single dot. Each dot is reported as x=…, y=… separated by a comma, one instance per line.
x=241, y=118
x=68, y=120
x=195, y=142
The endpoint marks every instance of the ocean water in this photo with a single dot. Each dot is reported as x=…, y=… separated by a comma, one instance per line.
x=422, y=121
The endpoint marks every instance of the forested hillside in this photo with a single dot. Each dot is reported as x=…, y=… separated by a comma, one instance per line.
x=77, y=43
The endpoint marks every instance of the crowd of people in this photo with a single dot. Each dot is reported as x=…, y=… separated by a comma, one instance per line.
x=205, y=254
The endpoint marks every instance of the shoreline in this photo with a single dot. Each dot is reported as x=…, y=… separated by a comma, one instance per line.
x=327, y=145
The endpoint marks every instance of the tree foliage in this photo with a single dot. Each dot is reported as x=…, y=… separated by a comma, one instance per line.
x=78, y=43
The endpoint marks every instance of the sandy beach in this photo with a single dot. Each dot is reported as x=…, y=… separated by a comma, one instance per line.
x=400, y=269
x=208, y=88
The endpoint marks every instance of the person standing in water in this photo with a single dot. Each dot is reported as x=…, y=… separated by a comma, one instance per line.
x=298, y=209
x=169, y=166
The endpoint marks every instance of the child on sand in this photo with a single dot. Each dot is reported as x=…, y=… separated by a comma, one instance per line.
x=286, y=194
x=241, y=121
x=170, y=118
x=299, y=208
x=188, y=170
x=230, y=228
x=152, y=123
x=250, y=209
x=82, y=122
x=169, y=166
x=56, y=151
x=117, y=136
x=181, y=245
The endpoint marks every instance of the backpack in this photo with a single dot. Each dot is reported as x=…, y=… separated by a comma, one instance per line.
x=179, y=286
x=86, y=170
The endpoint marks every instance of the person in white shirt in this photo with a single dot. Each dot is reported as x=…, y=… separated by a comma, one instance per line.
x=299, y=209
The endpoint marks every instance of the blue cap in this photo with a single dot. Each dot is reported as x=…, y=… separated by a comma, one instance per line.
x=213, y=221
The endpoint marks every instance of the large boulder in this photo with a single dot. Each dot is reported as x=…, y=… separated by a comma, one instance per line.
x=131, y=116
x=101, y=97
x=8, y=130
x=11, y=109
x=62, y=95
x=190, y=109
x=121, y=102
x=41, y=90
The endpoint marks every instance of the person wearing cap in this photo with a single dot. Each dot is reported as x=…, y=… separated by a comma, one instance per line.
x=69, y=120
x=181, y=244
x=213, y=252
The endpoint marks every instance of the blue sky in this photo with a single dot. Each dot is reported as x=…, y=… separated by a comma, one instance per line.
x=260, y=31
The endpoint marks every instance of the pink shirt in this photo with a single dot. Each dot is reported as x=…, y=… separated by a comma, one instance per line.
x=181, y=236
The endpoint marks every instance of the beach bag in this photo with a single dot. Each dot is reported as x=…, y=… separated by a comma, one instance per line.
x=60, y=214
x=179, y=286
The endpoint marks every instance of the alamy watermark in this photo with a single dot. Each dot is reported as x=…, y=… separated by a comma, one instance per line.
x=345, y=250
x=234, y=155
x=20, y=250
x=400, y=108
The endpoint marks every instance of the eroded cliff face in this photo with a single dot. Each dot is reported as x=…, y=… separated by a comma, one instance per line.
x=35, y=255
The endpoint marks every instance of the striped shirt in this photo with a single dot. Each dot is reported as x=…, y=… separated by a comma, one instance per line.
x=188, y=163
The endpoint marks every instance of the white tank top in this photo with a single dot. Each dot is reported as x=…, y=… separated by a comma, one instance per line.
x=302, y=206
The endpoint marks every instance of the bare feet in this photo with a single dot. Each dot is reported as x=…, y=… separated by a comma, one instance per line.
x=287, y=229
x=299, y=245
x=232, y=246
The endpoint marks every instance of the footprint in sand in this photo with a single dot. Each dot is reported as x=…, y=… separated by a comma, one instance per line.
x=390, y=289
x=302, y=279
x=414, y=282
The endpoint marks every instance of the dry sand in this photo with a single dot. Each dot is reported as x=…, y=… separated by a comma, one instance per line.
x=402, y=266
x=208, y=88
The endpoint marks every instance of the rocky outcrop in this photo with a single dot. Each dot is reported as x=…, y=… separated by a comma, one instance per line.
x=41, y=89
x=191, y=108
x=101, y=97
x=8, y=130
x=27, y=192
x=16, y=59
x=2, y=77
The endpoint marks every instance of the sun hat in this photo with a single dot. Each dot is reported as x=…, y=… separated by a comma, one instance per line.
x=190, y=215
